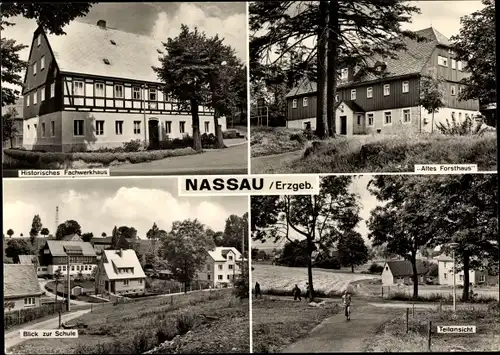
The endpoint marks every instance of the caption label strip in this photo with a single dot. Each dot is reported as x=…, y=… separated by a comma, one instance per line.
x=456, y=329
x=445, y=168
x=49, y=334
x=245, y=185
x=63, y=173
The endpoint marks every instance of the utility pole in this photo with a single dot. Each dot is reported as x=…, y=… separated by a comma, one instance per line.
x=69, y=282
x=242, y=253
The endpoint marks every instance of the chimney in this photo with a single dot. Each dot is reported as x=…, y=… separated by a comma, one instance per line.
x=101, y=24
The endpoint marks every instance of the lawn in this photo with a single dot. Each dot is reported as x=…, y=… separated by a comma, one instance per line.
x=273, y=279
x=385, y=153
x=392, y=336
x=136, y=327
x=268, y=141
x=278, y=323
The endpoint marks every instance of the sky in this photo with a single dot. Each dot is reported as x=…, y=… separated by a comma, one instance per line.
x=366, y=201
x=100, y=204
x=156, y=19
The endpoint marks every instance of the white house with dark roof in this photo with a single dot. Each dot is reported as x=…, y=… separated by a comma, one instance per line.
x=95, y=87
x=82, y=257
x=476, y=277
x=401, y=272
x=222, y=266
x=388, y=100
x=120, y=273
x=21, y=286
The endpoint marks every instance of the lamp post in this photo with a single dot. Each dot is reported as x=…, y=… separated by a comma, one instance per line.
x=453, y=246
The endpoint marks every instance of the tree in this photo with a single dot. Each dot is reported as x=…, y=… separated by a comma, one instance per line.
x=87, y=237
x=8, y=305
x=153, y=235
x=8, y=123
x=475, y=46
x=67, y=228
x=12, y=66
x=103, y=234
x=16, y=247
x=192, y=72
x=346, y=33
x=217, y=237
x=295, y=254
x=431, y=95
x=352, y=250
x=185, y=249
x=57, y=278
x=235, y=230
x=10, y=233
x=115, y=236
x=253, y=253
x=45, y=232
x=36, y=225
x=320, y=220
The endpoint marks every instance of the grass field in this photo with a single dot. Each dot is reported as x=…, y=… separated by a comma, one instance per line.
x=137, y=327
x=277, y=323
x=382, y=153
x=392, y=337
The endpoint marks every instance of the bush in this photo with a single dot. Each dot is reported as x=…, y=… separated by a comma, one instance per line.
x=185, y=322
x=208, y=140
x=241, y=286
x=456, y=128
x=309, y=134
x=132, y=146
x=375, y=269
x=328, y=263
x=26, y=315
x=298, y=137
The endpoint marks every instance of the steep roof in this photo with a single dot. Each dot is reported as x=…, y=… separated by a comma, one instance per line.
x=72, y=237
x=220, y=253
x=84, y=47
x=403, y=268
x=57, y=247
x=26, y=259
x=20, y=280
x=353, y=106
x=126, y=258
x=409, y=61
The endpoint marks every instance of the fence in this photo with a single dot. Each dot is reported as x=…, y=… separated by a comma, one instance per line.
x=25, y=315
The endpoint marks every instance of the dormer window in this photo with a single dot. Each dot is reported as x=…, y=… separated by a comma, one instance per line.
x=106, y=61
x=112, y=42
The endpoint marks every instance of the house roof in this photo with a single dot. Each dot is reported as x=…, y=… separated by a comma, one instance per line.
x=85, y=47
x=444, y=257
x=20, y=280
x=220, y=253
x=352, y=105
x=59, y=247
x=409, y=61
x=126, y=258
x=102, y=241
x=72, y=237
x=26, y=259
x=403, y=268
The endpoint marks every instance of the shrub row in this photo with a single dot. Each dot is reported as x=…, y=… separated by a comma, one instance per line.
x=436, y=297
x=26, y=315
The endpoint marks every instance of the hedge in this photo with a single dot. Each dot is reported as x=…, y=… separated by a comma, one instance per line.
x=25, y=315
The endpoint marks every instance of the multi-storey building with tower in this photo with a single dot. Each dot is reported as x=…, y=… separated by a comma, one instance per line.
x=95, y=87
x=388, y=101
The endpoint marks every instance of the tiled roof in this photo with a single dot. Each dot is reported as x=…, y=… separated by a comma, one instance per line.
x=219, y=253
x=85, y=47
x=403, y=268
x=72, y=237
x=20, y=280
x=105, y=240
x=56, y=247
x=26, y=259
x=409, y=61
x=353, y=106
x=126, y=258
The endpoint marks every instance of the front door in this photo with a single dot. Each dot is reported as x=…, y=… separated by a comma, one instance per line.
x=112, y=286
x=343, y=125
x=154, y=137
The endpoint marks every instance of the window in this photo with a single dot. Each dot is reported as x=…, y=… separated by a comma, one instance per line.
x=34, y=68
x=52, y=128
x=64, y=267
x=482, y=278
x=459, y=65
x=42, y=63
x=387, y=90
x=369, y=93
x=359, y=120
x=137, y=127
x=453, y=64
x=453, y=90
x=344, y=74
x=125, y=282
x=443, y=61
x=99, y=89
x=207, y=126
x=460, y=89
x=35, y=97
x=43, y=129
x=28, y=99
x=353, y=94
x=42, y=94
x=52, y=90
x=406, y=86
x=78, y=88
x=152, y=94
x=220, y=267
x=227, y=277
x=140, y=281
x=219, y=277
x=461, y=277
x=370, y=119
x=39, y=40
x=118, y=91
x=406, y=116
x=182, y=126
x=460, y=115
x=30, y=301
x=136, y=93
x=118, y=128
x=336, y=98
x=230, y=267
x=294, y=103
x=387, y=117
x=99, y=128
x=304, y=102
x=445, y=275
x=230, y=257
x=208, y=277
x=72, y=267
x=453, y=115
x=168, y=127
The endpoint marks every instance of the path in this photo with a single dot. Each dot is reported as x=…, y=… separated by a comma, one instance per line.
x=60, y=298
x=232, y=160
x=335, y=334
x=13, y=338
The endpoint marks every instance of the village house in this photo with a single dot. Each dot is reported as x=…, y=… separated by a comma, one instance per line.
x=400, y=272
x=101, y=244
x=82, y=257
x=389, y=101
x=120, y=273
x=95, y=87
x=476, y=277
x=21, y=287
x=222, y=266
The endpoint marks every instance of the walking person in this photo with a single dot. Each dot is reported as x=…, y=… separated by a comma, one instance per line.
x=346, y=300
x=296, y=293
x=257, y=290
x=308, y=289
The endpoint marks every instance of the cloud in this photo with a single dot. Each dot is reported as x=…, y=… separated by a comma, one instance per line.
x=18, y=215
x=231, y=28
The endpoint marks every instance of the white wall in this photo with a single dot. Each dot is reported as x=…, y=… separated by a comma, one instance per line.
x=387, y=278
x=447, y=268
